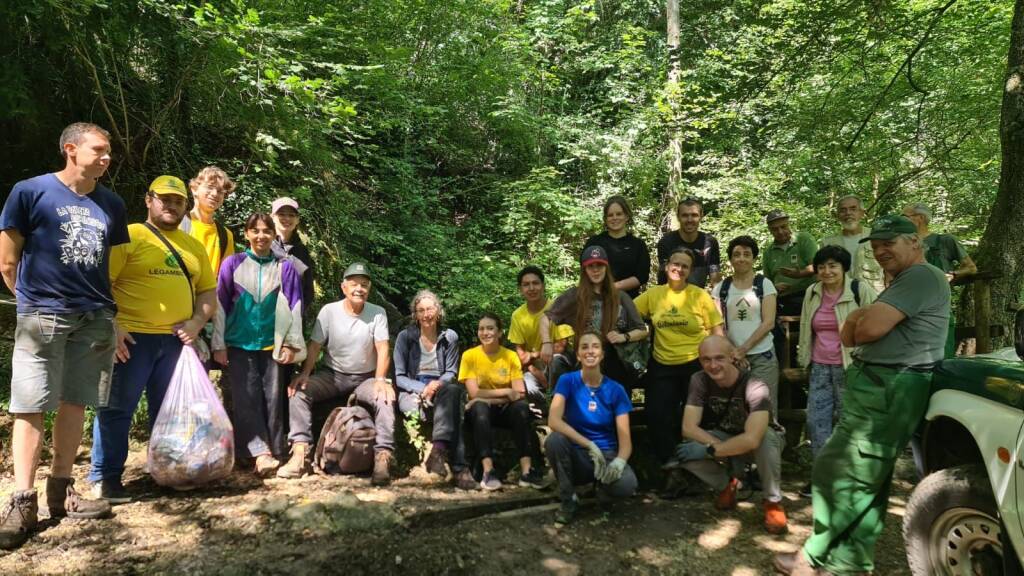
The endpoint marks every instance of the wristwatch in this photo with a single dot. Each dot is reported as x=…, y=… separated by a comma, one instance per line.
x=627, y=336
x=711, y=450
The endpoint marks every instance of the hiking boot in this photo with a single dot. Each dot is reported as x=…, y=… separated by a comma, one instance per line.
x=567, y=512
x=490, y=481
x=298, y=464
x=464, y=480
x=435, y=463
x=18, y=519
x=805, y=491
x=775, y=518
x=381, y=468
x=63, y=500
x=266, y=465
x=726, y=499
x=533, y=479
x=110, y=490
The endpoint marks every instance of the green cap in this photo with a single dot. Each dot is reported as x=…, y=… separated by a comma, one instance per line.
x=357, y=269
x=890, y=226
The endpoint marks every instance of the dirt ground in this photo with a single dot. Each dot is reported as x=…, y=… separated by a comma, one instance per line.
x=340, y=524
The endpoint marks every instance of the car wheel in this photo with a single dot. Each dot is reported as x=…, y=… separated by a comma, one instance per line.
x=952, y=525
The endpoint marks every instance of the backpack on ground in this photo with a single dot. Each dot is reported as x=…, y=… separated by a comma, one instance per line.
x=346, y=442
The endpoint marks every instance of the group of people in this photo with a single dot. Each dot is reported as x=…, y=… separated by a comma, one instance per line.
x=873, y=307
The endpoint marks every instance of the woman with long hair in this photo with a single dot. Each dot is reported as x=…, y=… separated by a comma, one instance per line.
x=683, y=315
x=497, y=397
x=628, y=256
x=590, y=439
x=257, y=330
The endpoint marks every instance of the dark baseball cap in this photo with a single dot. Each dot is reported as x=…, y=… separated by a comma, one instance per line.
x=357, y=269
x=890, y=226
x=593, y=254
x=774, y=215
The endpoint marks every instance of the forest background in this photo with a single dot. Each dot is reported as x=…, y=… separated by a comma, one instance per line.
x=450, y=143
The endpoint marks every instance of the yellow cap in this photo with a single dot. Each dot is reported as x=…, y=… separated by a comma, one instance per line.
x=169, y=185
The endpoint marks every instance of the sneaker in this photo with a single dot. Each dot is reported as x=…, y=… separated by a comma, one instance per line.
x=464, y=480
x=298, y=464
x=110, y=490
x=806, y=490
x=775, y=518
x=266, y=465
x=381, y=468
x=567, y=512
x=18, y=519
x=435, y=463
x=533, y=479
x=726, y=499
x=63, y=500
x=490, y=481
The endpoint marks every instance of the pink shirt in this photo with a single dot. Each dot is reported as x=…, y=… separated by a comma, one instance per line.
x=828, y=349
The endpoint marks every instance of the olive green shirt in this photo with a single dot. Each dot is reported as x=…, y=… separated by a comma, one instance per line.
x=920, y=292
x=944, y=251
x=799, y=253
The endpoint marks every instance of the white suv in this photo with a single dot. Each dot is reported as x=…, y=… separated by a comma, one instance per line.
x=967, y=515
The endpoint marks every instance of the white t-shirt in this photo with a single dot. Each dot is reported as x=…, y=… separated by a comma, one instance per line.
x=349, y=340
x=743, y=315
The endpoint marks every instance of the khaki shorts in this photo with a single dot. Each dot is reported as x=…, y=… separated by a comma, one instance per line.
x=61, y=358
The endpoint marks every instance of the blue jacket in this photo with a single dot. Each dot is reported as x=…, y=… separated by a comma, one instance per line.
x=407, y=358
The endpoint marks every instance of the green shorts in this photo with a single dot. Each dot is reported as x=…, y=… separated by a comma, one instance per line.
x=61, y=358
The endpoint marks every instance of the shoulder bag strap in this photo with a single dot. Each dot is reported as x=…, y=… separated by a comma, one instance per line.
x=177, y=258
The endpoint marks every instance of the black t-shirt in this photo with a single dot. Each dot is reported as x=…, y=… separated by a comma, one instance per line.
x=627, y=257
x=705, y=247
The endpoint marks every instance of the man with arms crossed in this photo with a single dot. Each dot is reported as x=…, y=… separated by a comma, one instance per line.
x=901, y=337
x=57, y=230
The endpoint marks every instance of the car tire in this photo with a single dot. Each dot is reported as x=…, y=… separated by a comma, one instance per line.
x=952, y=525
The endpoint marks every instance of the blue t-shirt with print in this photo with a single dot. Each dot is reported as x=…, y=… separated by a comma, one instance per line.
x=64, y=262
x=592, y=411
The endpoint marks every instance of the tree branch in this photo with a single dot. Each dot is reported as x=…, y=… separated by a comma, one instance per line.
x=907, y=62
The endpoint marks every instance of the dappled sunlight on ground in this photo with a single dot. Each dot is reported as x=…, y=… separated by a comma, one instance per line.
x=721, y=535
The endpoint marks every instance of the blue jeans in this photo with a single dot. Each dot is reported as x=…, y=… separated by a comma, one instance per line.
x=150, y=368
x=824, y=402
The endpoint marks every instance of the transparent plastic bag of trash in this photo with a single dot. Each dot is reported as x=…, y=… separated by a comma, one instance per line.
x=192, y=442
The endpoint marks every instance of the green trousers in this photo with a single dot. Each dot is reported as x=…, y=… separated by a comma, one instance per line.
x=853, y=472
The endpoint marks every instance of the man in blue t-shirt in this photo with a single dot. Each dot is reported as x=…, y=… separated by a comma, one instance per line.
x=56, y=231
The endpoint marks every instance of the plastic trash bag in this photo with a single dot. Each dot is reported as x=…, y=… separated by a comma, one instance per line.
x=192, y=441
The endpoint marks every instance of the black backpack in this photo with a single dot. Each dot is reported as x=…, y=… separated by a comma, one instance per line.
x=346, y=442
x=723, y=294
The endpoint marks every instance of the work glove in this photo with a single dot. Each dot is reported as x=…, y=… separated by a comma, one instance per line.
x=600, y=464
x=614, y=471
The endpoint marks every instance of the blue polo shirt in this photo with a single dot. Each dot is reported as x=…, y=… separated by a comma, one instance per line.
x=65, y=259
x=592, y=411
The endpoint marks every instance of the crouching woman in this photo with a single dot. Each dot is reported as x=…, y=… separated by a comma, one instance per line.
x=589, y=440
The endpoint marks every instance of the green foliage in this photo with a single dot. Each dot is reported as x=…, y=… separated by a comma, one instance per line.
x=450, y=143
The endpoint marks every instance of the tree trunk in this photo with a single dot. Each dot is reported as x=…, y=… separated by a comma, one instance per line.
x=675, y=146
x=1002, y=246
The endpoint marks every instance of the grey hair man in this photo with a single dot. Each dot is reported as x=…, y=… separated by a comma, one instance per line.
x=850, y=215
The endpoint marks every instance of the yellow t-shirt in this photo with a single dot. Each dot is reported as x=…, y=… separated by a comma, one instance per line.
x=207, y=236
x=147, y=283
x=491, y=372
x=681, y=321
x=525, y=328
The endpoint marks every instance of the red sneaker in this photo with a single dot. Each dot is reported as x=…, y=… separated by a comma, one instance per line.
x=726, y=499
x=775, y=518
